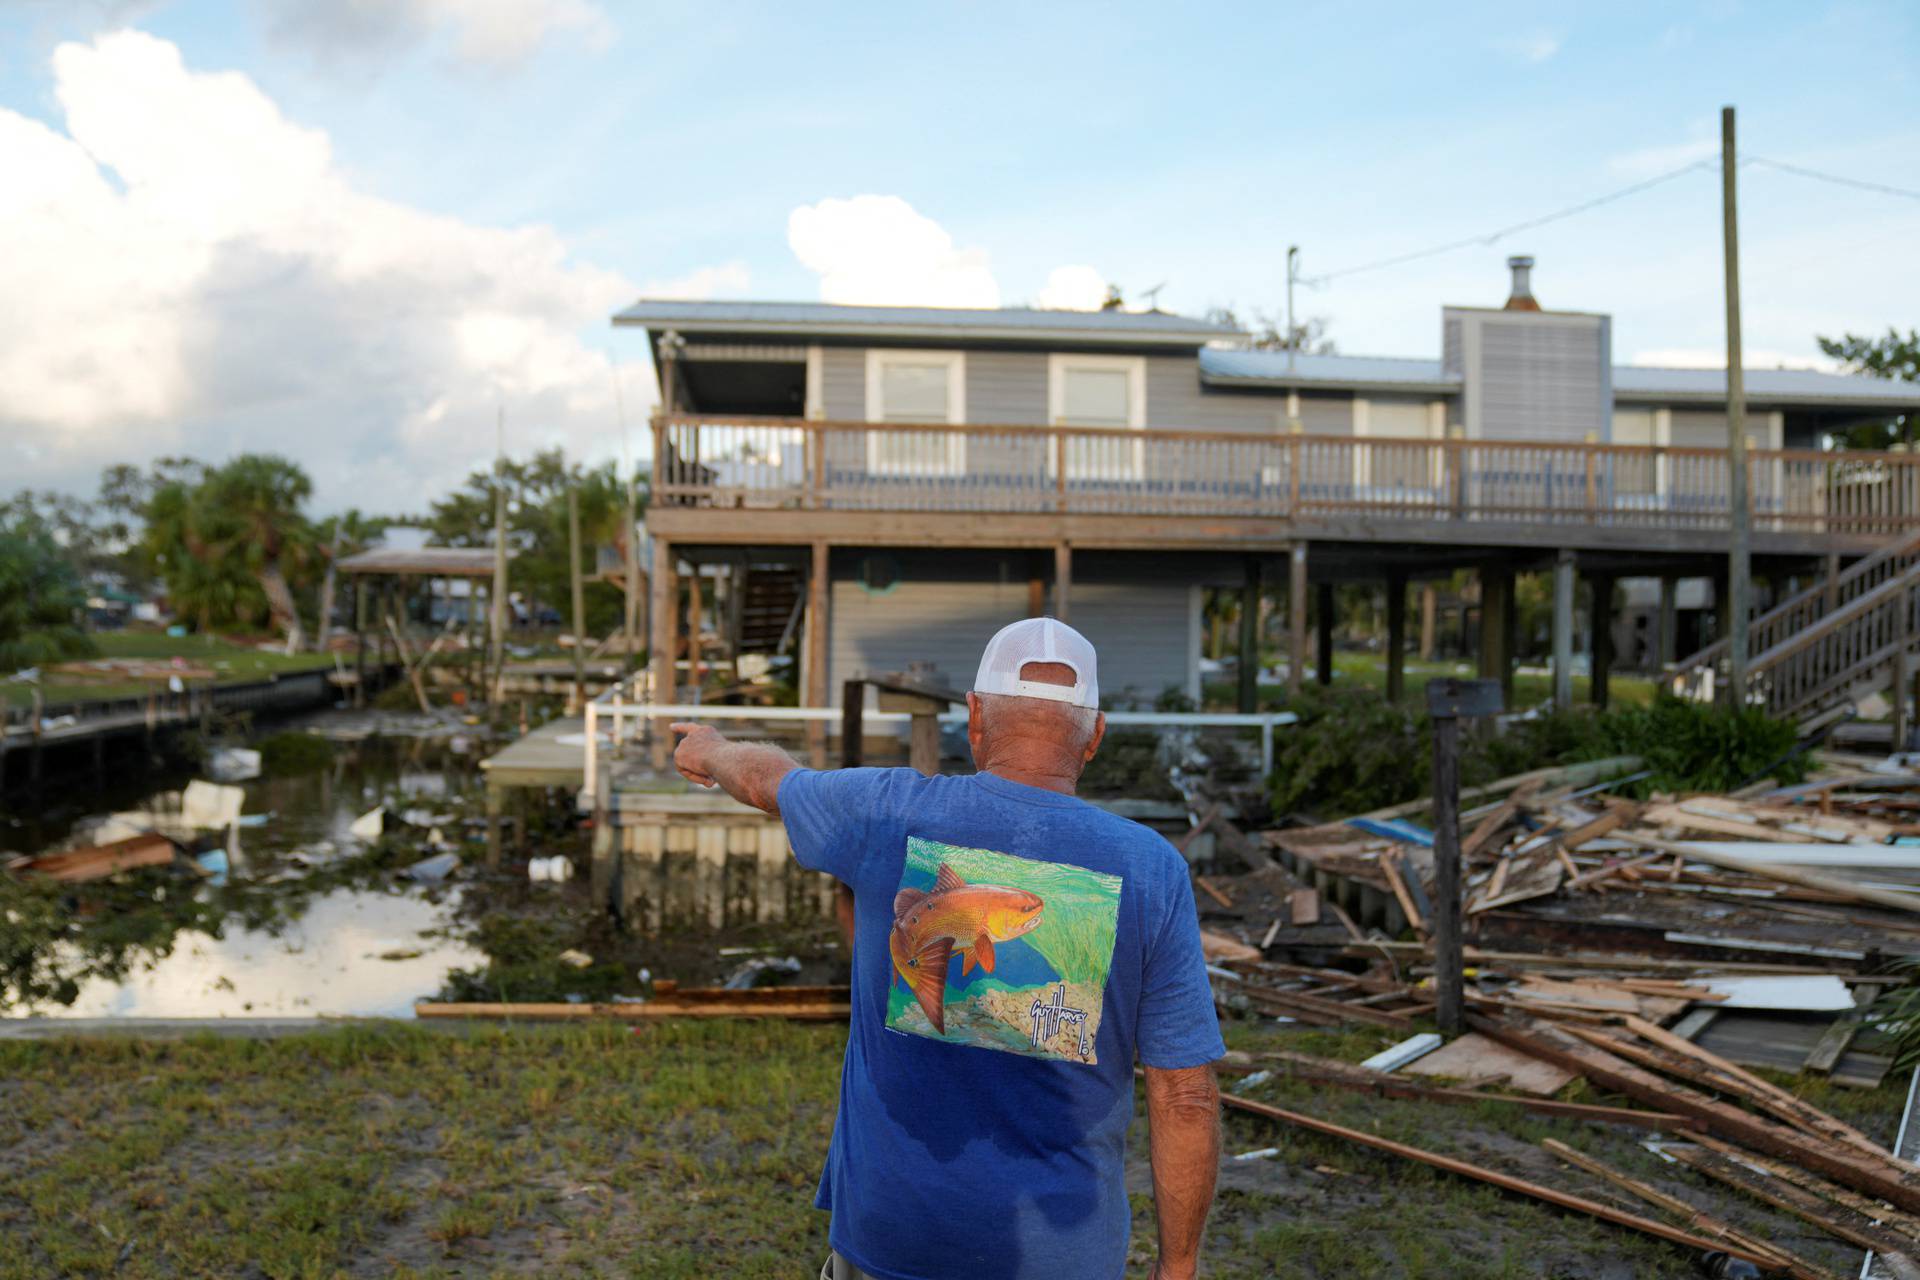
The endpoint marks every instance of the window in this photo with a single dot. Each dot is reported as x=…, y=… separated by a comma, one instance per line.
x=1399, y=452
x=1099, y=391
x=1635, y=475
x=925, y=387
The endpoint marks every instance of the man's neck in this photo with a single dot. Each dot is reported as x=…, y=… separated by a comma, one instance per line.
x=1044, y=779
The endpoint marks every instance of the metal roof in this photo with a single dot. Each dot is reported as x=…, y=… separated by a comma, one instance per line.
x=826, y=319
x=431, y=562
x=1228, y=368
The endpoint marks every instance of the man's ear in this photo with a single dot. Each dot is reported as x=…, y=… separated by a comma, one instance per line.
x=975, y=721
x=1099, y=732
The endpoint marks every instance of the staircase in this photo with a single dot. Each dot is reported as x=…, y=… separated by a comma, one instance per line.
x=770, y=601
x=1822, y=649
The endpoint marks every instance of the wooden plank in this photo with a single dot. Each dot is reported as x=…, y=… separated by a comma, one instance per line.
x=1400, y=894
x=1506, y=1182
x=1213, y=891
x=1839, y=1222
x=1303, y=907
x=1473, y=1056
x=1836, y=1038
x=96, y=862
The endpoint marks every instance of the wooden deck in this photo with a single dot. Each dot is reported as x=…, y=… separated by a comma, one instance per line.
x=791, y=480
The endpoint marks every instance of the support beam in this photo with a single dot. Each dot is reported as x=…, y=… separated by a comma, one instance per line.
x=1323, y=625
x=696, y=608
x=1250, y=638
x=1667, y=638
x=665, y=619
x=1429, y=620
x=816, y=690
x=1396, y=634
x=1496, y=628
x=1036, y=586
x=1902, y=680
x=1600, y=625
x=1296, y=618
x=1062, y=580
x=1563, y=583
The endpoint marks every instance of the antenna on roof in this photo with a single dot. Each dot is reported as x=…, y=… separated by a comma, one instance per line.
x=1153, y=296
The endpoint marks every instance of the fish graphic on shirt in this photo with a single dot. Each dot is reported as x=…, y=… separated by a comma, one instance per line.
x=929, y=926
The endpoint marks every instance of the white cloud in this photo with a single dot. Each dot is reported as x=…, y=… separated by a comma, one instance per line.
x=187, y=271
x=878, y=250
x=1533, y=46
x=703, y=282
x=1073, y=288
x=1716, y=358
x=492, y=33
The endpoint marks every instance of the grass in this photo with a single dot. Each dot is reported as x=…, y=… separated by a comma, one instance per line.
x=1368, y=670
x=233, y=663
x=692, y=1150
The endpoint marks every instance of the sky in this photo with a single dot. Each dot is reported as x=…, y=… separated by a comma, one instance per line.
x=376, y=235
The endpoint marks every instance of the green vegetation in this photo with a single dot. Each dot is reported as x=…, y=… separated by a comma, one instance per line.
x=294, y=752
x=40, y=597
x=232, y=664
x=692, y=1149
x=1353, y=751
x=1896, y=355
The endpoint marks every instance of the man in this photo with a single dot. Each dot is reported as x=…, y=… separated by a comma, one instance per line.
x=1016, y=948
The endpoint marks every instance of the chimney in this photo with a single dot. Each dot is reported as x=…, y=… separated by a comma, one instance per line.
x=1522, y=296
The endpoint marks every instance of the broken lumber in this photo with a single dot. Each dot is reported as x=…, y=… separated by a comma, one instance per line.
x=1825, y=1055
x=1698, y=1219
x=1844, y=1165
x=1568, y=775
x=1789, y=875
x=1837, y=1221
x=96, y=862
x=1506, y=1182
x=1867, y=1206
x=1303, y=907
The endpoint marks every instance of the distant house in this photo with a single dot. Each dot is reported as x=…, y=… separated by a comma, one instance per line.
x=929, y=474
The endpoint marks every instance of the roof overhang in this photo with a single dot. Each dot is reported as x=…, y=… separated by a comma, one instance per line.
x=1283, y=384
x=861, y=324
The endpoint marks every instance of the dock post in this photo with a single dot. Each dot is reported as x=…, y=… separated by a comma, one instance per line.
x=1396, y=634
x=1563, y=629
x=1448, y=699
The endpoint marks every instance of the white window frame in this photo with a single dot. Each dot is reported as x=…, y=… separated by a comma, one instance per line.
x=1135, y=367
x=954, y=461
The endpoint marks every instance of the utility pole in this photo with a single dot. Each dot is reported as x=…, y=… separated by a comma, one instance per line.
x=1739, y=581
x=579, y=596
x=630, y=536
x=1293, y=272
x=498, y=610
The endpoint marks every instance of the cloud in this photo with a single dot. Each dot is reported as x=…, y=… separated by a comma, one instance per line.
x=489, y=33
x=1073, y=288
x=703, y=282
x=1533, y=47
x=879, y=251
x=1716, y=358
x=190, y=272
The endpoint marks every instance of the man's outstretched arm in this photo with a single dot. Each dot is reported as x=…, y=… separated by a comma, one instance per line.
x=750, y=772
x=1183, y=1130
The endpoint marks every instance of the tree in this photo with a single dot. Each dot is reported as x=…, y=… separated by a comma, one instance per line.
x=1269, y=332
x=1893, y=356
x=259, y=496
x=41, y=597
x=346, y=534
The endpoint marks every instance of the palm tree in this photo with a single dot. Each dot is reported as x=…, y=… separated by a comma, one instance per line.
x=256, y=500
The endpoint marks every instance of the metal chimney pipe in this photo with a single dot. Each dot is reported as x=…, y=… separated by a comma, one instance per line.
x=1521, y=299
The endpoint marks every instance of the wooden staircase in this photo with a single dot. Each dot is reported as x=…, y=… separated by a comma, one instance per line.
x=1822, y=649
x=771, y=598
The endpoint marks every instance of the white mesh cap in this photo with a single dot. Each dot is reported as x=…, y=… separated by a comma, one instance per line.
x=1039, y=640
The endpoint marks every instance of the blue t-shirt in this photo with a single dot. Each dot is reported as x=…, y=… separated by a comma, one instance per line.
x=1014, y=949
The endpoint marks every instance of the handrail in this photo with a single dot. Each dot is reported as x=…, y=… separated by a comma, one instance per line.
x=1808, y=671
x=1802, y=609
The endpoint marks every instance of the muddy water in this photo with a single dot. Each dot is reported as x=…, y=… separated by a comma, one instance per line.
x=308, y=922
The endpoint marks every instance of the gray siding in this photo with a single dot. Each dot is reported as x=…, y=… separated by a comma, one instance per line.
x=843, y=383
x=1325, y=415
x=1533, y=376
x=1143, y=633
x=1007, y=388
x=1175, y=398
x=1707, y=429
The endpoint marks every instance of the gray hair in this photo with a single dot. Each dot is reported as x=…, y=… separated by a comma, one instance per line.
x=1072, y=727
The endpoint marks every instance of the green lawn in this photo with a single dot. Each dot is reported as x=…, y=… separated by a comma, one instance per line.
x=692, y=1150
x=1368, y=670
x=235, y=664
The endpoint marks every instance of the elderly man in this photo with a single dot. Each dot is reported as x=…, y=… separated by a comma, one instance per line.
x=1016, y=949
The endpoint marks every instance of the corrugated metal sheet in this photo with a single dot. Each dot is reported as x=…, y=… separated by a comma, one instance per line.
x=1638, y=381
x=1538, y=379
x=828, y=319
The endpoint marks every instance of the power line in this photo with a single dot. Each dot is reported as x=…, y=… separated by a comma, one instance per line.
x=1834, y=178
x=1495, y=236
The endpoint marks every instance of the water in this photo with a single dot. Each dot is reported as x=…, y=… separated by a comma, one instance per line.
x=310, y=922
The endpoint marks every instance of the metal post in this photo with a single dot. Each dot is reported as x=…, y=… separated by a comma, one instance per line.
x=1250, y=639
x=1447, y=700
x=1563, y=629
x=579, y=596
x=1296, y=618
x=1740, y=516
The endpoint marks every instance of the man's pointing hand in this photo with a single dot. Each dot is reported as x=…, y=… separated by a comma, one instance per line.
x=694, y=756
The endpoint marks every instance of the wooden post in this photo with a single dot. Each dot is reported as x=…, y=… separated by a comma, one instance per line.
x=1396, y=634
x=1740, y=515
x=1429, y=620
x=1600, y=610
x=696, y=607
x=1323, y=627
x=497, y=638
x=665, y=622
x=1036, y=594
x=579, y=597
x=1250, y=638
x=1448, y=699
x=1496, y=627
x=1296, y=618
x=1669, y=634
x=1563, y=584
x=1902, y=681
x=853, y=698
x=816, y=690
x=1062, y=580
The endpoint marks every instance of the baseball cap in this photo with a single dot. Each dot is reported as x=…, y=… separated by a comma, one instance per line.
x=1039, y=640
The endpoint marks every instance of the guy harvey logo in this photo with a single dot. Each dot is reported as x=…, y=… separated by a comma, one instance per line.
x=1046, y=1017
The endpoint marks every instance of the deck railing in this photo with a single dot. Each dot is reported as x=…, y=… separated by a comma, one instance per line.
x=771, y=462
